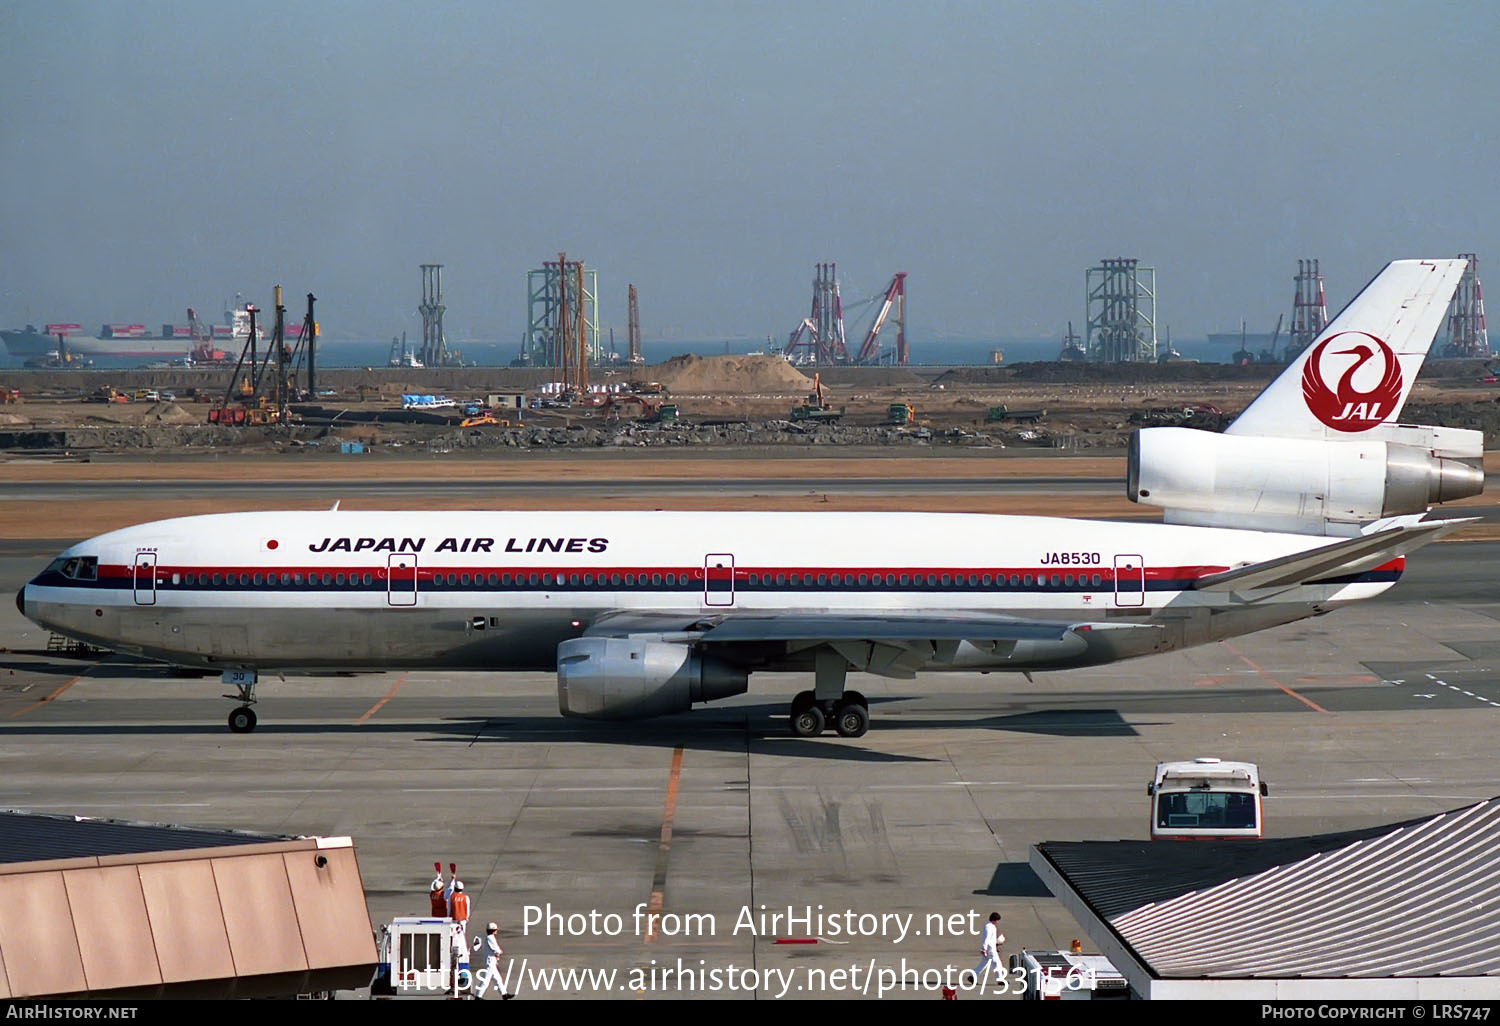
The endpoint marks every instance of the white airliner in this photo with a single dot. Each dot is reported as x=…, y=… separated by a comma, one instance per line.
x=1310, y=500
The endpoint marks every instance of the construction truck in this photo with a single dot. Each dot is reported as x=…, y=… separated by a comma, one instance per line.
x=816, y=409
x=902, y=413
x=1067, y=976
x=422, y=957
x=10, y=395
x=1206, y=799
x=651, y=412
x=647, y=388
x=996, y=414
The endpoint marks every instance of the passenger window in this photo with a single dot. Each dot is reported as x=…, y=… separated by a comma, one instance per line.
x=988, y=580
x=534, y=580
x=369, y=579
x=338, y=579
x=494, y=580
x=1028, y=580
x=297, y=579
x=258, y=579
x=465, y=579
x=217, y=579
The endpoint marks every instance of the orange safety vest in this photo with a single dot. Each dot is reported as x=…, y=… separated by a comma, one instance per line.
x=439, y=903
x=460, y=906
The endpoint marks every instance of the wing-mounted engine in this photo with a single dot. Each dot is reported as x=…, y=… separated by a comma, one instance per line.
x=1302, y=485
x=632, y=678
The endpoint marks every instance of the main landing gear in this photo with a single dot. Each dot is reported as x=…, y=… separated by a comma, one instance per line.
x=242, y=720
x=829, y=705
x=849, y=715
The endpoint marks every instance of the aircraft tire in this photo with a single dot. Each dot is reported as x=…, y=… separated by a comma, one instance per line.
x=808, y=722
x=803, y=701
x=242, y=720
x=852, y=719
x=855, y=698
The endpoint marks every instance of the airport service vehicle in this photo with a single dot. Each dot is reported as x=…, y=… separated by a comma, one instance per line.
x=1068, y=976
x=1310, y=500
x=419, y=957
x=1206, y=799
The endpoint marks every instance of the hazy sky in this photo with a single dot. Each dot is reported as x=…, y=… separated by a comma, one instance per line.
x=155, y=155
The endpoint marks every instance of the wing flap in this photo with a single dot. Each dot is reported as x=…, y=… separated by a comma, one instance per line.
x=841, y=627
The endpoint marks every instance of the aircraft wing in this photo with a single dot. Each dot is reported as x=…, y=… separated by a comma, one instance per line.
x=891, y=645
x=1351, y=556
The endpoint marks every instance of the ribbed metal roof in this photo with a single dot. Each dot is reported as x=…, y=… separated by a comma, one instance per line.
x=1419, y=899
x=30, y=837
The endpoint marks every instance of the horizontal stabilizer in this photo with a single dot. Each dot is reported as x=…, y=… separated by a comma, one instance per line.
x=1352, y=555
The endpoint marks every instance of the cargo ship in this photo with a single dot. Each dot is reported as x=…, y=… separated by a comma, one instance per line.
x=129, y=341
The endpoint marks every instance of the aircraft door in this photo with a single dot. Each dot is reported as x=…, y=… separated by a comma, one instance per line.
x=1130, y=581
x=401, y=579
x=145, y=578
x=718, y=579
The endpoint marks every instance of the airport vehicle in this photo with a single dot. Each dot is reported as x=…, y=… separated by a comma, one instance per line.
x=1206, y=799
x=421, y=957
x=1068, y=976
x=1310, y=500
x=901, y=413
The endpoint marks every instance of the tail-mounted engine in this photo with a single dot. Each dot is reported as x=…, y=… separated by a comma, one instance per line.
x=1306, y=486
x=632, y=678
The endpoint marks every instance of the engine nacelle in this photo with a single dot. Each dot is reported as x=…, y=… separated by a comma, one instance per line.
x=1291, y=483
x=632, y=678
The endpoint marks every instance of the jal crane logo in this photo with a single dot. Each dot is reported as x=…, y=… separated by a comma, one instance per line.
x=1345, y=407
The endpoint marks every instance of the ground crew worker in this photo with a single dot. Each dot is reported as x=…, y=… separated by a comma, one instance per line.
x=989, y=951
x=452, y=880
x=460, y=909
x=437, y=901
x=490, y=946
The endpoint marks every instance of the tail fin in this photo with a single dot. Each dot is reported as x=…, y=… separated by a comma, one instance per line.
x=1358, y=373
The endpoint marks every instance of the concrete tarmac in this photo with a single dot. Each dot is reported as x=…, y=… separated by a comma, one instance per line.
x=1376, y=713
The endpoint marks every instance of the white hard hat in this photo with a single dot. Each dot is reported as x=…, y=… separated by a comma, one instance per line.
x=493, y=927
x=458, y=885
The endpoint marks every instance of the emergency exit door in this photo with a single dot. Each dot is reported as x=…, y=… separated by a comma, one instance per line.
x=718, y=579
x=401, y=579
x=1130, y=581
x=145, y=578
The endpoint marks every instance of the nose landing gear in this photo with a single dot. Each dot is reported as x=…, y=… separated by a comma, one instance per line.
x=242, y=720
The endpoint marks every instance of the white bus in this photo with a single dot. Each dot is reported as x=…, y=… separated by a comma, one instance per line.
x=1206, y=799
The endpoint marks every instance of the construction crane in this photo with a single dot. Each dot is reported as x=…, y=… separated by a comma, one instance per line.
x=635, y=359
x=895, y=296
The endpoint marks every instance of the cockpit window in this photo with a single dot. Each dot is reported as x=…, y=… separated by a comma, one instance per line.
x=76, y=568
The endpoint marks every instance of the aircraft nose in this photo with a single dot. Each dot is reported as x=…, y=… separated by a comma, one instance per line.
x=21, y=599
